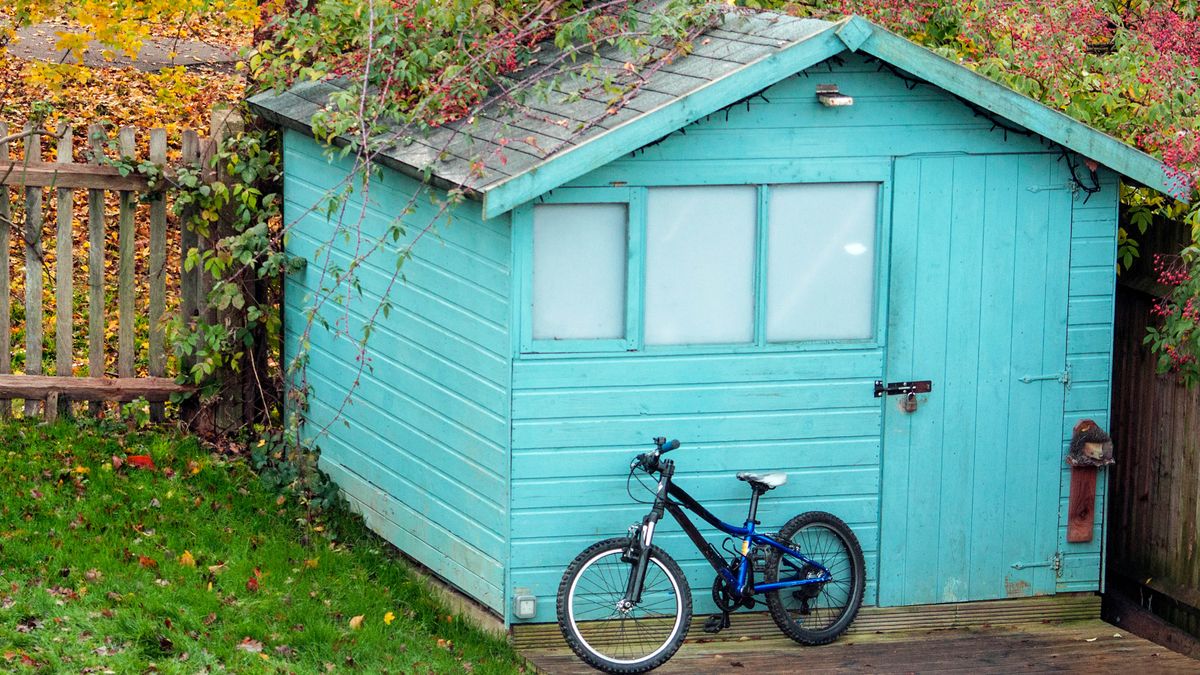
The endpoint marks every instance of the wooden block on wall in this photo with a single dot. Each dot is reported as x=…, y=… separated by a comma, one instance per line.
x=1081, y=515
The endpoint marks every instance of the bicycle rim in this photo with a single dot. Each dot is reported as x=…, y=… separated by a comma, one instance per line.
x=818, y=607
x=626, y=638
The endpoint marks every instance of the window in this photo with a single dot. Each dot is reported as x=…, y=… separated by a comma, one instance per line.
x=621, y=268
x=579, y=265
x=821, y=261
x=700, y=249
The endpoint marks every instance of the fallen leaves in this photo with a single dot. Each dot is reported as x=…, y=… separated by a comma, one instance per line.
x=388, y=618
x=250, y=646
x=186, y=559
x=140, y=461
x=147, y=562
x=356, y=622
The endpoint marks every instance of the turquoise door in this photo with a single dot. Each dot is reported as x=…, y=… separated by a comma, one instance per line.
x=978, y=306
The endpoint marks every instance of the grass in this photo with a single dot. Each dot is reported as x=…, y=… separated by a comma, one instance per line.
x=194, y=566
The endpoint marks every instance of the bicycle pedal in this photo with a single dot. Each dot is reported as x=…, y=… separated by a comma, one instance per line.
x=716, y=623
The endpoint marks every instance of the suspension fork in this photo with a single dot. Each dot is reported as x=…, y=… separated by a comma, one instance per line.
x=637, y=575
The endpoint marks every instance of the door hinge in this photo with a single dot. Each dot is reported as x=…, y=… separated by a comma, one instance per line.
x=1053, y=186
x=1063, y=376
x=1054, y=563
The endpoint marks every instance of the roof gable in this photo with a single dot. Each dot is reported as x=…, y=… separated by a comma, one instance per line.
x=562, y=140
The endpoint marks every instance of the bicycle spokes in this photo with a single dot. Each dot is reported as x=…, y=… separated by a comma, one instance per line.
x=818, y=605
x=611, y=626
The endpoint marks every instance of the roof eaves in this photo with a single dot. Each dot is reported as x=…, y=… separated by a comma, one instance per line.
x=609, y=145
x=999, y=99
x=287, y=110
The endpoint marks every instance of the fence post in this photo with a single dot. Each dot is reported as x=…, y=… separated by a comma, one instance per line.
x=96, y=243
x=6, y=227
x=228, y=413
x=158, y=259
x=64, y=311
x=33, y=267
x=126, y=140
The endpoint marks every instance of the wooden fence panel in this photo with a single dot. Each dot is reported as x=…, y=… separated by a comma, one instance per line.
x=32, y=175
x=1154, y=532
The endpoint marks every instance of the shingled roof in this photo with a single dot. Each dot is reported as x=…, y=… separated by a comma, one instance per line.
x=532, y=147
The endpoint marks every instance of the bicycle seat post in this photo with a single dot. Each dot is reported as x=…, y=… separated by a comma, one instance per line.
x=755, y=493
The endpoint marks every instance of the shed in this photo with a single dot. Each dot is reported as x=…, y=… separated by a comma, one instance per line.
x=728, y=261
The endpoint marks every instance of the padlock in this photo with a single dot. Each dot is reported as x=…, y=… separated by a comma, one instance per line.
x=909, y=403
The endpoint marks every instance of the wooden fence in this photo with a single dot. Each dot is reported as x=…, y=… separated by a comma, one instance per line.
x=1154, y=503
x=26, y=175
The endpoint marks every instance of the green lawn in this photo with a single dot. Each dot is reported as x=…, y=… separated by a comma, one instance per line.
x=193, y=566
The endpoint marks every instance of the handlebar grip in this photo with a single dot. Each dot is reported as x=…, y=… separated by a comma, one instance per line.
x=672, y=445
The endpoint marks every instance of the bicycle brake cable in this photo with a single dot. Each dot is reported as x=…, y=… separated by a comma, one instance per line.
x=629, y=490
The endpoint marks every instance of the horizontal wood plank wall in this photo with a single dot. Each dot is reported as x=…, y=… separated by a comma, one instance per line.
x=577, y=422
x=423, y=450
x=1089, y=354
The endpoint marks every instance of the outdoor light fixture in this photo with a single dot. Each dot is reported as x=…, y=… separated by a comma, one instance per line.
x=524, y=603
x=830, y=97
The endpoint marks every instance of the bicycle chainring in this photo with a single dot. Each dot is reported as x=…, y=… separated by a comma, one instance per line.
x=724, y=596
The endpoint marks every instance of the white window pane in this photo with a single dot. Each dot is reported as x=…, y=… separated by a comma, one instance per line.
x=821, y=261
x=579, y=271
x=700, y=248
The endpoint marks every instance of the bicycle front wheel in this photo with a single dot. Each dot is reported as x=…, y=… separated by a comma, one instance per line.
x=816, y=613
x=617, y=640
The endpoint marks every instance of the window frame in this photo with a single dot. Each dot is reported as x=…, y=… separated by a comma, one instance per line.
x=634, y=200
x=760, y=175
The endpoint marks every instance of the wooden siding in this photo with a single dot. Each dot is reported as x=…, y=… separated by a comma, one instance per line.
x=573, y=438
x=1089, y=354
x=422, y=449
x=577, y=421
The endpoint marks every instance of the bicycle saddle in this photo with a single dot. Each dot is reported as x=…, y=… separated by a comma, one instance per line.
x=768, y=480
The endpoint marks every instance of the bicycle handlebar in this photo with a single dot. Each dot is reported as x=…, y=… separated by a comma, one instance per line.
x=649, y=460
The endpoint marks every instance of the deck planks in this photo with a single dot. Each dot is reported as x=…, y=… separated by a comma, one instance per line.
x=1038, y=648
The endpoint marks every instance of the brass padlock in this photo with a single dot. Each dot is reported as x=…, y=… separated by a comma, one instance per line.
x=909, y=403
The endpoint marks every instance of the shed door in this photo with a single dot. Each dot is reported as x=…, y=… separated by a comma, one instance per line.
x=978, y=301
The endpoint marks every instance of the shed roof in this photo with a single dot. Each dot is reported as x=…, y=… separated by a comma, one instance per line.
x=530, y=148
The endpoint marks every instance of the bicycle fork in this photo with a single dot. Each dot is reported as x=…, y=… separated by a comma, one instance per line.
x=641, y=540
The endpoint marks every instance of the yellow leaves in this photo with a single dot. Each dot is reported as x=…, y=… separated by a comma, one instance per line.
x=311, y=563
x=56, y=76
x=356, y=622
x=388, y=618
x=81, y=470
x=186, y=559
x=75, y=43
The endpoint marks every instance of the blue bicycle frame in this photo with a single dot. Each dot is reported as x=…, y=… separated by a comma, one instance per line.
x=674, y=499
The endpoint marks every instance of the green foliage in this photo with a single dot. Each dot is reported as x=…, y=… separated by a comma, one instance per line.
x=241, y=199
x=194, y=564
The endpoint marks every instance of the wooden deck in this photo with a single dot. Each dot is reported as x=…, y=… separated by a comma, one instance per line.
x=1091, y=646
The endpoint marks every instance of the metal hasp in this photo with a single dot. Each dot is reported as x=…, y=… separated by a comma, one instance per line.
x=902, y=388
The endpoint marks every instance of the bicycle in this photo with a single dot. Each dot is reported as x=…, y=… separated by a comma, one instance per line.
x=624, y=605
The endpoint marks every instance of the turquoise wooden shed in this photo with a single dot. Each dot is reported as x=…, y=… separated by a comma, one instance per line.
x=792, y=212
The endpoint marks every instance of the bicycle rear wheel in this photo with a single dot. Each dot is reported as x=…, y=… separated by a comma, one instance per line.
x=630, y=641
x=816, y=614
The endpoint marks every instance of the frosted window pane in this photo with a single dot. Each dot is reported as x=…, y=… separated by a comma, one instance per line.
x=700, y=247
x=579, y=271
x=821, y=261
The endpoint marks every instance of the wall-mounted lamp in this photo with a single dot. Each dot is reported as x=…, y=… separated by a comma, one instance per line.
x=830, y=97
